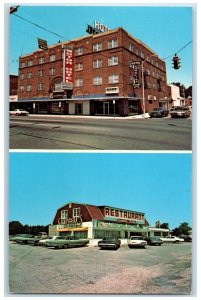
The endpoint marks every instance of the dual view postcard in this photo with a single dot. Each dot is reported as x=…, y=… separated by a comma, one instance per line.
x=100, y=150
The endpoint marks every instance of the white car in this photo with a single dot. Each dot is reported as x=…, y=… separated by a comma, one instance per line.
x=43, y=241
x=172, y=239
x=18, y=112
x=136, y=241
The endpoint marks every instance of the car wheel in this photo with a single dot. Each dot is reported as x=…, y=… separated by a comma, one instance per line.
x=65, y=246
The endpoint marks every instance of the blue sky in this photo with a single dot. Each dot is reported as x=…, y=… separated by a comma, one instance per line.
x=157, y=184
x=165, y=29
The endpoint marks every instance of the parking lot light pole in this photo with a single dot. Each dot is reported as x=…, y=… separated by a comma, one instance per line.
x=143, y=98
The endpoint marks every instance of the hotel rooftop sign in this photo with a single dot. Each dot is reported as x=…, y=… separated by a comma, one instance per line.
x=97, y=28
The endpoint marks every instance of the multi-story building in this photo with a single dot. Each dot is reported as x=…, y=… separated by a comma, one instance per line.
x=96, y=222
x=13, y=88
x=95, y=74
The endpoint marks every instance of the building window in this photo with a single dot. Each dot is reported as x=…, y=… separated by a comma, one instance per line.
x=40, y=86
x=22, y=64
x=64, y=214
x=41, y=60
x=113, y=78
x=112, y=44
x=21, y=88
x=29, y=75
x=29, y=88
x=153, y=74
x=97, y=63
x=22, y=76
x=79, y=82
x=30, y=63
x=79, y=51
x=113, y=61
x=40, y=73
x=154, y=86
x=148, y=72
x=137, y=52
x=52, y=71
x=142, y=54
x=52, y=57
x=76, y=212
x=97, y=80
x=131, y=47
x=79, y=67
x=97, y=47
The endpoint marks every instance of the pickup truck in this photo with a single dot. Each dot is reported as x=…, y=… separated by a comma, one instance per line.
x=67, y=242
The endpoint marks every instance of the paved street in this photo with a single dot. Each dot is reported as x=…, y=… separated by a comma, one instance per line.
x=164, y=270
x=79, y=133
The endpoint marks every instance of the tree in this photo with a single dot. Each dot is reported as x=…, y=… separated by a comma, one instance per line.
x=15, y=227
x=164, y=226
x=183, y=229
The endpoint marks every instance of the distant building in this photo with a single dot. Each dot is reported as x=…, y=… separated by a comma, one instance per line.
x=176, y=97
x=98, y=74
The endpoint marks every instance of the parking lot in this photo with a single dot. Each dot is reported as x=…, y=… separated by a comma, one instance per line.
x=164, y=270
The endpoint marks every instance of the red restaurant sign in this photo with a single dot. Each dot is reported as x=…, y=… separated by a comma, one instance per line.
x=68, y=67
x=123, y=214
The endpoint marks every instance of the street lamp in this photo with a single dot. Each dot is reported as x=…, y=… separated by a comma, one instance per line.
x=143, y=99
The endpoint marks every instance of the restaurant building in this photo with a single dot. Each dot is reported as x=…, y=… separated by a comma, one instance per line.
x=106, y=73
x=96, y=222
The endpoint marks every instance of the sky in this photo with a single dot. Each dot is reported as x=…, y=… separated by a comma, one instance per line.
x=165, y=29
x=157, y=184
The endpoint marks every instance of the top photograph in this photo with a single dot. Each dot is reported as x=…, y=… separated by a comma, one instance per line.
x=100, y=77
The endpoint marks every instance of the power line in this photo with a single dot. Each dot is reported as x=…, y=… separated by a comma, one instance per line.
x=41, y=27
x=178, y=50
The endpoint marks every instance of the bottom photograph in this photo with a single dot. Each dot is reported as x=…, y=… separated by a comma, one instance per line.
x=100, y=223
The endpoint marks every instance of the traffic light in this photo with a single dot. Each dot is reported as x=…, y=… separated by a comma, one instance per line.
x=13, y=9
x=176, y=62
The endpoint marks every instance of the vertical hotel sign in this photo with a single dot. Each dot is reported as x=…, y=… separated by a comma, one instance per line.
x=68, y=69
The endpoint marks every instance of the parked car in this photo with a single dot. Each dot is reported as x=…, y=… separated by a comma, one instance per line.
x=69, y=241
x=187, y=238
x=159, y=112
x=25, y=239
x=136, y=242
x=180, y=112
x=35, y=241
x=43, y=242
x=32, y=239
x=18, y=112
x=109, y=243
x=155, y=240
x=17, y=237
x=172, y=239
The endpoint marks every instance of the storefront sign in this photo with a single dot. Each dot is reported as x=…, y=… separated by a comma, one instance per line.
x=68, y=68
x=112, y=90
x=135, y=66
x=122, y=214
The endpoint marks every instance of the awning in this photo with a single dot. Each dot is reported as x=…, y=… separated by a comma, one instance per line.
x=72, y=229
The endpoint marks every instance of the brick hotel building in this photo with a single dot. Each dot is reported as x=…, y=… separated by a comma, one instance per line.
x=98, y=74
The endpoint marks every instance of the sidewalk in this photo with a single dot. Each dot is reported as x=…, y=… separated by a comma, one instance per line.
x=143, y=116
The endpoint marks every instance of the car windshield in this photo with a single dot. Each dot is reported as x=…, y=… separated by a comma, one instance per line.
x=136, y=238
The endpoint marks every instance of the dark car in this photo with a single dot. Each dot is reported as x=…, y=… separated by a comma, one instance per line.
x=154, y=241
x=109, y=243
x=180, y=112
x=159, y=112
